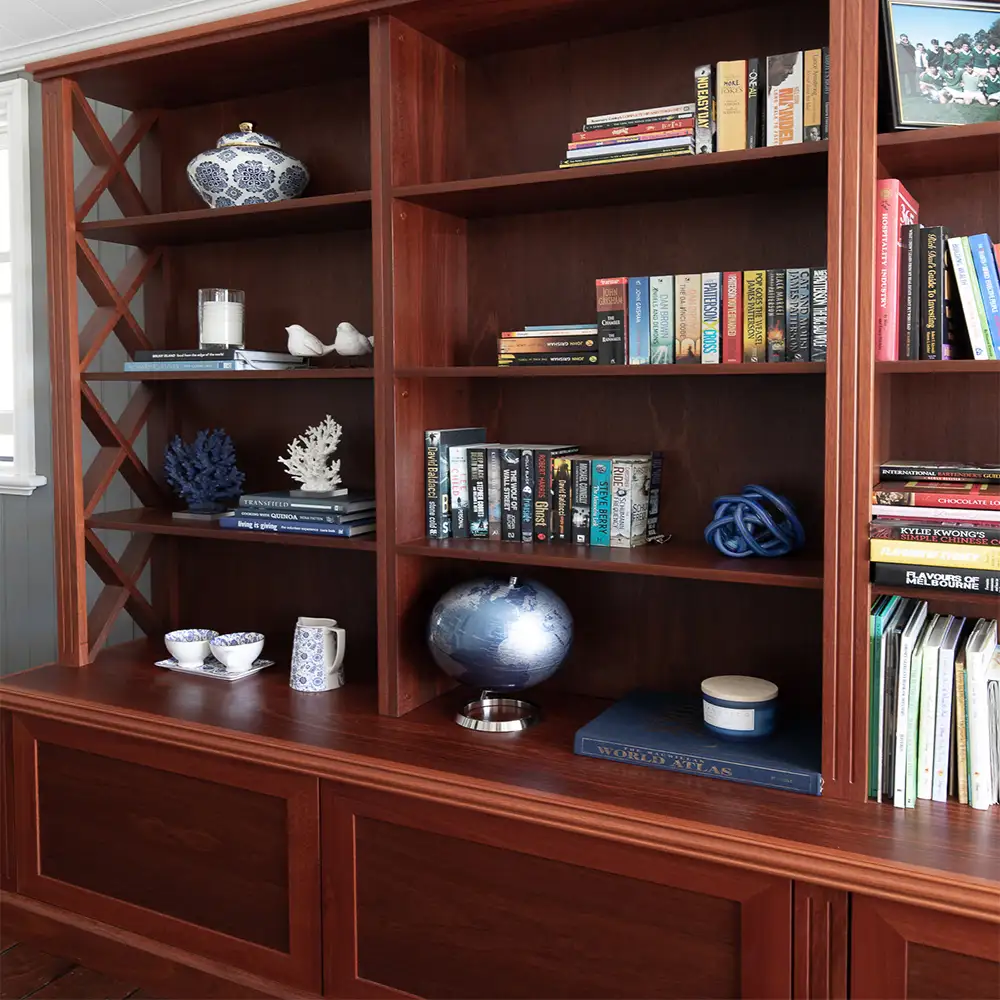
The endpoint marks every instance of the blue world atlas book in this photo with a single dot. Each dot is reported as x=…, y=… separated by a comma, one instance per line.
x=666, y=731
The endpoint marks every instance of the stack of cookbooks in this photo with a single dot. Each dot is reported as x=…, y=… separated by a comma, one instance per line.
x=221, y=359
x=937, y=525
x=633, y=135
x=345, y=514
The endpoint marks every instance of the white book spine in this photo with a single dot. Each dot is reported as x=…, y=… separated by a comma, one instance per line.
x=980, y=769
x=927, y=719
x=458, y=476
x=711, y=348
x=621, y=504
x=627, y=116
x=913, y=718
x=903, y=705
x=661, y=319
x=942, y=723
x=964, y=276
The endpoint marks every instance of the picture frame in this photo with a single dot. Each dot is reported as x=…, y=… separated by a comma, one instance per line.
x=943, y=57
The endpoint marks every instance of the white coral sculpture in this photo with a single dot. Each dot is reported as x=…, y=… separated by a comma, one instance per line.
x=309, y=454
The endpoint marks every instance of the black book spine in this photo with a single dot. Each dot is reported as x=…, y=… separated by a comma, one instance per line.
x=930, y=472
x=581, y=500
x=655, y=482
x=562, y=511
x=909, y=293
x=819, y=315
x=968, y=533
x=934, y=288
x=432, y=462
x=797, y=298
x=542, y=513
x=510, y=473
x=775, y=311
x=754, y=104
x=478, y=513
x=826, y=93
x=527, y=503
x=704, y=110
x=972, y=581
x=612, y=328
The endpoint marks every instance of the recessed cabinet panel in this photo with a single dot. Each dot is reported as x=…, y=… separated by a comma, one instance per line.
x=214, y=856
x=443, y=902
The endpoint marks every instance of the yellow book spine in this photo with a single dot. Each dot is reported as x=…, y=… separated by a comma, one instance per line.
x=961, y=746
x=754, y=316
x=731, y=105
x=948, y=555
x=812, y=98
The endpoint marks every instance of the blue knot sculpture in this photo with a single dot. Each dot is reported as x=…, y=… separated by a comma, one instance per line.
x=744, y=526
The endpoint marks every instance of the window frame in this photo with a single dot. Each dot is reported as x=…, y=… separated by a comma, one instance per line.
x=19, y=477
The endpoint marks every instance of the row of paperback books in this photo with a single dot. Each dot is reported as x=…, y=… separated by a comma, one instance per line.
x=718, y=316
x=739, y=104
x=222, y=359
x=934, y=707
x=537, y=492
x=938, y=294
x=937, y=525
x=346, y=514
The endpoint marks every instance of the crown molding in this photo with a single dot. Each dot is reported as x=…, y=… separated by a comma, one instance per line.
x=14, y=58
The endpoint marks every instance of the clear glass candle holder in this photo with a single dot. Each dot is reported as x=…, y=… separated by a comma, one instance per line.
x=220, y=317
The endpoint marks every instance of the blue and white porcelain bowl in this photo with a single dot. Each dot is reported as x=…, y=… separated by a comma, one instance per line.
x=246, y=168
x=190, y=646
x=237, y=650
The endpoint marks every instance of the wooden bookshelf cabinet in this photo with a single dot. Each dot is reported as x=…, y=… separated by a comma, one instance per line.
x=247, y=840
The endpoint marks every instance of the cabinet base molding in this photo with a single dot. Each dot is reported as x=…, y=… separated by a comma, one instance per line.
x=155, y=966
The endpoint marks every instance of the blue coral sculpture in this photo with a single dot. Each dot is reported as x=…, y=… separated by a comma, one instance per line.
x=744, y=526
x=203, y=473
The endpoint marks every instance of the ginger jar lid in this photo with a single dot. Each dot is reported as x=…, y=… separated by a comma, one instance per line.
x=739, y=688
x=247, y=136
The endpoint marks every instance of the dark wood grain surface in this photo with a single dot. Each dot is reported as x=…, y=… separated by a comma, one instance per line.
x=613, y=371
x=321, y=731
x=934, y=152
x=325, y=373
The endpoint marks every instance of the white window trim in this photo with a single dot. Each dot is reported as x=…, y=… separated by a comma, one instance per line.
x=19, y=479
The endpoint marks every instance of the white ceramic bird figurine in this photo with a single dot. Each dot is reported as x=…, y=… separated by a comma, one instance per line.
x=304, y=344
x=350, y=342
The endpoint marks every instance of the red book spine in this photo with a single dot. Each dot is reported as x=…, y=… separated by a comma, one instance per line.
x=896, y=208
x=671, y=125
x=732, y=317
x=978, y=496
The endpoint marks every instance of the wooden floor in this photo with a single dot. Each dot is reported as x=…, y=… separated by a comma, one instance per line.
x=27, y=972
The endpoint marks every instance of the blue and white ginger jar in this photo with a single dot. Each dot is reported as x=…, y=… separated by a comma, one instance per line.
x=246, y=168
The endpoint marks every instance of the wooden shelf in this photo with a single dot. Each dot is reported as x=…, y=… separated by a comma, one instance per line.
x=212, y=225
x=612, y=371
x=159, y=522
x=937, y=367
x=325, y=732
x=987, y=604
x=664, y=179
x=308, y=375
x=688, y=562
x=935, y=152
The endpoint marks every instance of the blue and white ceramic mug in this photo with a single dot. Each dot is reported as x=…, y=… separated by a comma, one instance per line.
x=318, y=655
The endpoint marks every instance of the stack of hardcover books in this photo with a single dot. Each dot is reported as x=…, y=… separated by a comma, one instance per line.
x=346, y=514
x=537, y=492
x=934, y=706
x=633, y=135
x=223, y=359
x=938, y=294
x=565, y=344
x=747, y=103
x=937, y=525
x=718, y=316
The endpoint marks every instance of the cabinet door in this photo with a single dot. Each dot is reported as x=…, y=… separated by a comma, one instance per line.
x=907, y=952
x=214, y=856
x=436, y=901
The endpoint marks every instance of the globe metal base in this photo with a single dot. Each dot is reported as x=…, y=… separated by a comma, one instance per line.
x=491, y=713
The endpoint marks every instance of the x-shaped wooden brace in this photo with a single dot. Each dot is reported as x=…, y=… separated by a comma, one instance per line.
x=108, y=156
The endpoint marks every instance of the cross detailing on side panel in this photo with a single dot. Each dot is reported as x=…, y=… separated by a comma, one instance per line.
x=67, y=113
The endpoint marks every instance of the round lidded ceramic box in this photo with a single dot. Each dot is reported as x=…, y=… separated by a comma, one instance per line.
x=739, y=707
x=246, y=168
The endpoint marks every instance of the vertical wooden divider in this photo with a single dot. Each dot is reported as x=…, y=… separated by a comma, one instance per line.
x=849, y=393
x=67, y=453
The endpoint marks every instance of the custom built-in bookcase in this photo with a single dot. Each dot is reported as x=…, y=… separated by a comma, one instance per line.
x=435, y=218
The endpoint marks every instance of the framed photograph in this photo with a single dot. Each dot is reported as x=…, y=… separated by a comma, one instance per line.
x=943, y=60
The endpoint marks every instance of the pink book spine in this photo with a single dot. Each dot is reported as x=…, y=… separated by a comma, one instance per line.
x=896, y=208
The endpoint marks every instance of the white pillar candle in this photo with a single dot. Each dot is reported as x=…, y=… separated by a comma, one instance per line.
x=222, y=323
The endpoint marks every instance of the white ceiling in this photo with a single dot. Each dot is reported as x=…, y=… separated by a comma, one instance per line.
x=40, y=29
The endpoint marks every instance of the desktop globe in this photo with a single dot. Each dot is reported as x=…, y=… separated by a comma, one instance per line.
x=501, y=636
